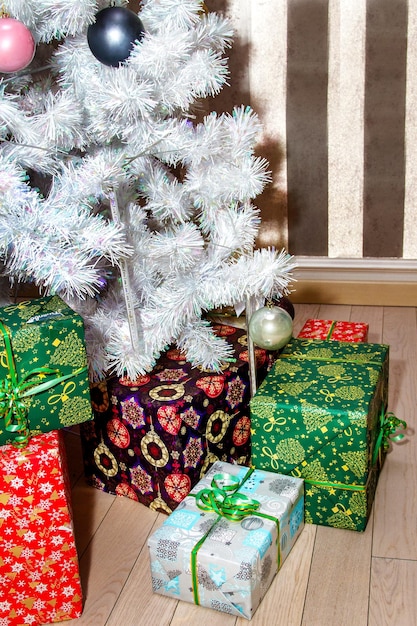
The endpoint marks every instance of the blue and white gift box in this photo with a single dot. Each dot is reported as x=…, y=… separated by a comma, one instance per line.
x=223, y=545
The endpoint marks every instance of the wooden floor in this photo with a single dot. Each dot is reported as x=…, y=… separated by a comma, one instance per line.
x=331, y=578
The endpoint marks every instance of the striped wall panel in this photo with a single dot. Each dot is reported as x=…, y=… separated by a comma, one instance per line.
x=335, y=85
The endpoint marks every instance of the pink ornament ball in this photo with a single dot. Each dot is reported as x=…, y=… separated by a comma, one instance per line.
x=17, y=46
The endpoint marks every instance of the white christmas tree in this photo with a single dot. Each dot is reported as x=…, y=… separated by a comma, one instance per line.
x=147, y=221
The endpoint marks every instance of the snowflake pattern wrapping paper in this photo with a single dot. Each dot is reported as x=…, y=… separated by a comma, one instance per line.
x=44, y=334
x=334, y=329
x=39, y=577
x=318, y=415
x=202, y=557
x=153, y=438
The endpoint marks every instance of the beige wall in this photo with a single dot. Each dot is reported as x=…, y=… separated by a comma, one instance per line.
x=335, y=85
x=257, y=64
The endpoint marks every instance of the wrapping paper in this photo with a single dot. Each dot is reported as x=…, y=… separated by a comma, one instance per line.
x=201, y=556
x=152, y=439
x=334, y=329
x=42, y=343
x=39, y=577
x=318, y=415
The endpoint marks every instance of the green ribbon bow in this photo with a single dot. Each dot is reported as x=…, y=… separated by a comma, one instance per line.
x=13, y=391
x=389, y=426
x=224, y=500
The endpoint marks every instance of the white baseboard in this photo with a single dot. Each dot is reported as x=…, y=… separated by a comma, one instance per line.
x=382, y=282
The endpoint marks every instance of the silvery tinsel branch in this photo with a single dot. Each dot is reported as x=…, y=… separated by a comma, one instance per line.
x=80, y=139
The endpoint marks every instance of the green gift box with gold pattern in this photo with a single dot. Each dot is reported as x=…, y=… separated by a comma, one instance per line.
x=320, y=414
x=44, y=381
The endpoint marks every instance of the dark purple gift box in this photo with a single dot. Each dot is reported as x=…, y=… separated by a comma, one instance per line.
x=152, y=439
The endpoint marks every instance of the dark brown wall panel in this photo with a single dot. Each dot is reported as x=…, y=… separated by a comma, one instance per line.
x=384, y=166
x=307, y=78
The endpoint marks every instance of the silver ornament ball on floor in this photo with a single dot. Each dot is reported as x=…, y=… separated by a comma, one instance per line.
x=270, y=327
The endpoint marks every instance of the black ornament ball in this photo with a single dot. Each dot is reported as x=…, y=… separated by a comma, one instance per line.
x=113, y=34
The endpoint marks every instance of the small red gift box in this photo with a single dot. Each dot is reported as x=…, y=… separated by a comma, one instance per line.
x=39, y=577
x=332, y=329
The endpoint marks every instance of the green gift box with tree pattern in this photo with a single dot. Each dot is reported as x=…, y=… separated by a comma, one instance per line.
x=44, y=382
x=320, y=414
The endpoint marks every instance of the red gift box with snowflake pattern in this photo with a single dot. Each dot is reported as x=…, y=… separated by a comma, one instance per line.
x=39, y=576
x=334, y=329
x=152, y=439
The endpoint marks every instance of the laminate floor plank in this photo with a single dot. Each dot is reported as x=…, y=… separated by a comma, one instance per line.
x=393, y=593
x=339, y=312
x=137, y=604
x=110, y=556
x=90, y=506
x=395, y=532
x=338, y=587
